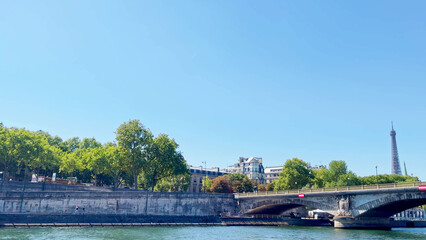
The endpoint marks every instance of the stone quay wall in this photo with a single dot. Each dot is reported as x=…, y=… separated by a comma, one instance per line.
x=53, y=200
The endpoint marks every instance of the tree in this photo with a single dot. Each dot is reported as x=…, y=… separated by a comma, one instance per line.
x=163, y=160
x=177, y=183
x=114, y=163
x=239, y=182
x=270, y=186
x=46, y=158
x=207, y=183
x=321, y=177
x=95, y=161
x=386, y=178
x=237, y=186
x=71, y=163
x=71, y=144
x=336, y=175
x=8, y=161
x=89, y=143
x=295, y=175
x=220, y=185
x=261, y=188
x=337, y=169
x=133, y=138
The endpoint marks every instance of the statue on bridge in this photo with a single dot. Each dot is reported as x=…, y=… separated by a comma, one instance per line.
x=344, y=206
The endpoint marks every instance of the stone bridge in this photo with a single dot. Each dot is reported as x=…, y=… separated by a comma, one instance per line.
x=352, y=207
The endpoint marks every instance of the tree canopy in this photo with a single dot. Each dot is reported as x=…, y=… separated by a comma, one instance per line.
x=133, y=139
x=220, y=185
x=135, y=155
x=163, y=160
x=295, y=174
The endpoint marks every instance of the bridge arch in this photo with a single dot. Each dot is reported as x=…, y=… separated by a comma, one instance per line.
x=388, y=206
x=278, y=206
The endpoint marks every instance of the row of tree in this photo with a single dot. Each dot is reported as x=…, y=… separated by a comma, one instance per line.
x=296, y=174
x=137, y=158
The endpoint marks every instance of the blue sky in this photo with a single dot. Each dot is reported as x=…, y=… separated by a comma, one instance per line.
x=317, y=80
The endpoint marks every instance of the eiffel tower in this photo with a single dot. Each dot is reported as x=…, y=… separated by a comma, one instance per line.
x=396, y=169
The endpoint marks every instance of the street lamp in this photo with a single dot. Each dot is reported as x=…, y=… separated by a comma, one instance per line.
x=205, y=169
x=376, y=176
x=296, y=185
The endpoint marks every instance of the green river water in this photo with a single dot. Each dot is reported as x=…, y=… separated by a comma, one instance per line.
x=206, y=233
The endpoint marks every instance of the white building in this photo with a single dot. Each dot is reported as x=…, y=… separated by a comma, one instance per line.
x=272, y=173
x=316, y=167
x=251, y=167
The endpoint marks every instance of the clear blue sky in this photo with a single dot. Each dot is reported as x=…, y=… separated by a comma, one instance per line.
x=317, y=80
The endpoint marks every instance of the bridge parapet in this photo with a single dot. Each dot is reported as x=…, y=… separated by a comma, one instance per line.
x=334, y=189
x=352, y=207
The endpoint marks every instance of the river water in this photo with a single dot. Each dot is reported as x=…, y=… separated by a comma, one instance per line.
x=206, y=233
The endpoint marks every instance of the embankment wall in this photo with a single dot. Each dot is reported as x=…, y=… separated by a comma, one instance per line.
x=115, y=202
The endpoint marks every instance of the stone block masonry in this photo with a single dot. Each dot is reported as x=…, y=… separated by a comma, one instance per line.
x=116, y=202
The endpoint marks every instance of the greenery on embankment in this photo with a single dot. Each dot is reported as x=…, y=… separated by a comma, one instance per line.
x=136, y=158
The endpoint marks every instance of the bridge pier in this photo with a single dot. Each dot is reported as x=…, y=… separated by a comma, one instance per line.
x=362, y=223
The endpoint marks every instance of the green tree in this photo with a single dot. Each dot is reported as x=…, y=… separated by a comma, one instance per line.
x=295, y=175
x=239, y=182
x=114, y=166
x=270, y=186
x=95, y=160
x=386, y=178
x=248, y=185
x=337, y=169
x=336, y=175
x=71, y=163
x=177, y=183
x=348, y=179
x=71, y=144
x=207, y=183
x=89, y=143
x=8, y=162
x=163, y=160
x=321, y=177
x=133, y=138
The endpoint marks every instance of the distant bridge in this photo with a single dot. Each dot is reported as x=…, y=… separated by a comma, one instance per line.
x=367, y=206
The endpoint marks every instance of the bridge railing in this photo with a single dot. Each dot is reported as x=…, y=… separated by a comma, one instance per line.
x=334, y=189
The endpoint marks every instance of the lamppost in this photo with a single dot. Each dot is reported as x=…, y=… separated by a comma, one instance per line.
x=376, y=176
x=205, y=169
x=296, y=185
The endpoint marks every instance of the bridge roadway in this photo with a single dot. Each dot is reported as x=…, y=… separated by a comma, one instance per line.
x=369, y=206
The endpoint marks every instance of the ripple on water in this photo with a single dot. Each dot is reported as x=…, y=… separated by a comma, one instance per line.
x=207, y=233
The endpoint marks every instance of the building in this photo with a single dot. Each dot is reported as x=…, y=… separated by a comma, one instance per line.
x=198, y=173
x=251, y=167
x=316, y=167
x=272, y=173
x=396, y=169
x=410, y=214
